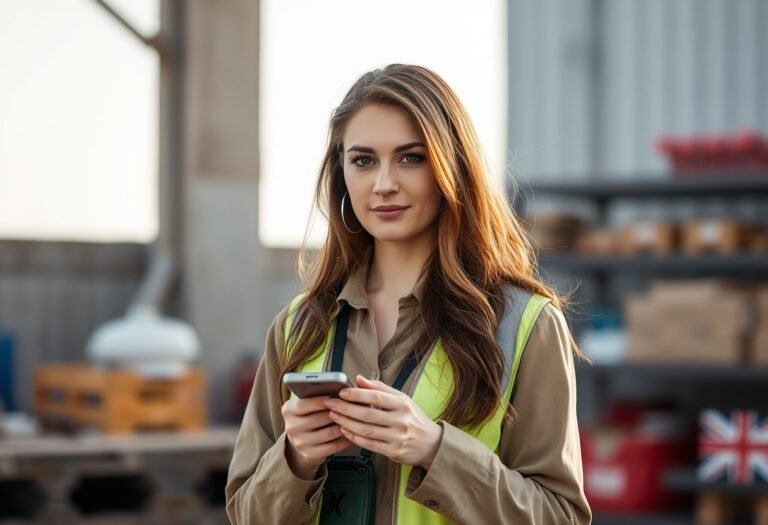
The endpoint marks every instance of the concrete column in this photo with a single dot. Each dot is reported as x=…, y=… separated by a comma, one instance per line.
x=223, y=263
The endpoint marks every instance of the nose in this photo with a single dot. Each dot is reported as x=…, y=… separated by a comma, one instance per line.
x=385, y=183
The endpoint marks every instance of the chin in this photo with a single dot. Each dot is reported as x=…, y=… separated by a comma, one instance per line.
x=388, y=233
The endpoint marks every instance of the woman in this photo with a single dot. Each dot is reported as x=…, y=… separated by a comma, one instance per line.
x=422, y=253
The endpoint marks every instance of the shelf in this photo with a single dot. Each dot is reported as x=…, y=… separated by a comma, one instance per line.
x=695, y=264
x=685, y=480
x=642, y=519
x=655, y=185
x=684, y=372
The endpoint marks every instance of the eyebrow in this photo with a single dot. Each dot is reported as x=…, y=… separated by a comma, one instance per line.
x=403, y=147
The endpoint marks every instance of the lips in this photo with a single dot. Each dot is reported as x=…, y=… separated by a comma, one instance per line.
x=391, y=207
x=390, y=212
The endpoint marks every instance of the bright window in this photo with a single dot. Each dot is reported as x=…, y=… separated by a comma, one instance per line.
x=78, y=121
x=313, y=51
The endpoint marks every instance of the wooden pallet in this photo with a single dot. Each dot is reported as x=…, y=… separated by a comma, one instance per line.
x=76, y=396
x=183, y=472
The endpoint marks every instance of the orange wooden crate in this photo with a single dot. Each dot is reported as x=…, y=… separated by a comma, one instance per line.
x=117, y=401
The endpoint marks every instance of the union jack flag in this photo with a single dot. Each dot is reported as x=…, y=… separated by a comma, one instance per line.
x=733, y=447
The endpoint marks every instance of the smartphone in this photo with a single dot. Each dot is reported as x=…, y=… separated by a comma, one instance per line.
x=312, y=384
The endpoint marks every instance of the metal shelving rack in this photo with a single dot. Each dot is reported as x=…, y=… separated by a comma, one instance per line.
x=744, y=382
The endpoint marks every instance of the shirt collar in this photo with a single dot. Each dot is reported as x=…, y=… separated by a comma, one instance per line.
x=354, y=291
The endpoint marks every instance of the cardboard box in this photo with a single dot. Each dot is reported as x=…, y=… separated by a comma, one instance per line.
x=699, y=321
x=759, y=351
x=556, y=232
x=759, y=242
x=599, y=242
x=725, y=236
x=659, y=238
x=761, y=308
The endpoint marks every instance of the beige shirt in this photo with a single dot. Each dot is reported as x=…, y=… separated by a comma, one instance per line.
x=535, y=479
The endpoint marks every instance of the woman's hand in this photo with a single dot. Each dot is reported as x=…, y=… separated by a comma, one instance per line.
x=396, y=427
x=311, y=435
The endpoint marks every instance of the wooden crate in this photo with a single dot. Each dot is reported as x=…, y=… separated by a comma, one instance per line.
x=75, y=396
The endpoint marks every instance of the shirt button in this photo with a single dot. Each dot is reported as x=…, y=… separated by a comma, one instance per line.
x=388, y=503
x=431, y=504
x=374, y=375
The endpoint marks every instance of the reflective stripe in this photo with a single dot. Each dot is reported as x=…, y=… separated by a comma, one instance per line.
x=515, y=301
x=434, y=387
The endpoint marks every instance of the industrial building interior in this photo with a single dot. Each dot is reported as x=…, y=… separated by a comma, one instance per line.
x=630, y=136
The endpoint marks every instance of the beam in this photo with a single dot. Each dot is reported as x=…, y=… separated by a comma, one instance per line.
x=154, y=42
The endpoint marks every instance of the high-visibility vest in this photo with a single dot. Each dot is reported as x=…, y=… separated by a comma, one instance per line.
x=435, y=386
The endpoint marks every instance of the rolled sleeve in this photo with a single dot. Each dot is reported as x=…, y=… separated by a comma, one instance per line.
x=437, y=489
x=261, y=487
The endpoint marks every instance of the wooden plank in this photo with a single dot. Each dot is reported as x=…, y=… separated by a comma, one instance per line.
x=42, y=447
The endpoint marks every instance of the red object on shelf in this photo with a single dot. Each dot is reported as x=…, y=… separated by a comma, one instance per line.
x=624, y=470
x=746, y=151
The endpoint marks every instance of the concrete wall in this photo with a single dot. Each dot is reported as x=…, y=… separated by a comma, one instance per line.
x=594, y=83
x=54, y=294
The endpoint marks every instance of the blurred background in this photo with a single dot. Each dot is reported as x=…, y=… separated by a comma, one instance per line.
x=157, y=164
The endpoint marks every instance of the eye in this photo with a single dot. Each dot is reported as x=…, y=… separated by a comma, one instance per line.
x=414, y=158
x=362, y=161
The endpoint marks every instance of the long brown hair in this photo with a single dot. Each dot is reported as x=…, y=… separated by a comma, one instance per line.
x=481, y=244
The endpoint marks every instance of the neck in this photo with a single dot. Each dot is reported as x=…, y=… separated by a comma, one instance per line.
x=396, y=266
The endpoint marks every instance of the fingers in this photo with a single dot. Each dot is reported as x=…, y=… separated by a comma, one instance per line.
x=378, y=432
x=303, y=407
x=305, y=424
x=376, y=398
x=364, y=413
x=320, y=436
x=374, y=445
x=371, y=384
x=333, y=447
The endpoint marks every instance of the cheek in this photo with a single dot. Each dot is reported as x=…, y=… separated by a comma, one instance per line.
x=357, y=191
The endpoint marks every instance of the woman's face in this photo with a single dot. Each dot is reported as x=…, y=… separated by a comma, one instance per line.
x=389, y=178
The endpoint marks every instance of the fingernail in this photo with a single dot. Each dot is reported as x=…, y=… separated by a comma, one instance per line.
x=344, y=393
x=330, y=402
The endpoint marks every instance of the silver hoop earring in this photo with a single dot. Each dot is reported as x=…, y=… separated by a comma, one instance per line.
x=342, y=216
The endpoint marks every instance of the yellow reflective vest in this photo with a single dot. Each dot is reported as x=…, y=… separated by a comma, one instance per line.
x=435, y=385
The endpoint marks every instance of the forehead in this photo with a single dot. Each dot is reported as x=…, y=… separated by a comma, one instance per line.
x=380, y=127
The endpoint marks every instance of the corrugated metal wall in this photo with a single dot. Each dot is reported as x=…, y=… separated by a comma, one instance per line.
x=594, y=83
x=53, y=295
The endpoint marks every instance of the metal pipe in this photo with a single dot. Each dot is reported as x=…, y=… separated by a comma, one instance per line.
x=163, y=266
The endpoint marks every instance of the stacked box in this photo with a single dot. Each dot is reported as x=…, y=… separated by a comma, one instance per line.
x=759, y=243
x=759, y=352
x=599, y=241
x=689, y=321
x=557, y=231
x=659, y=238
x=725, y=236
